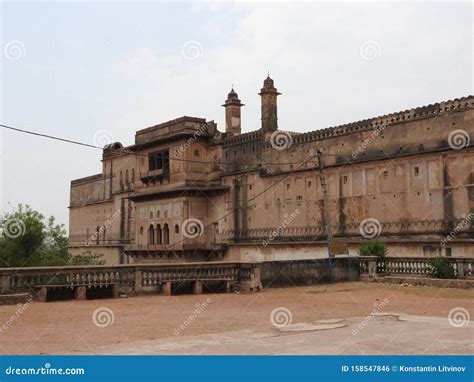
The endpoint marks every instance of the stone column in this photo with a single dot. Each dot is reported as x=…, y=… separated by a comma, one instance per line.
x=167, y=288
x=138, y=281
x=373, y=268
x=5, y=284
x=197, y=287
x=42, y=294
x=461, y=266
x=80, y=293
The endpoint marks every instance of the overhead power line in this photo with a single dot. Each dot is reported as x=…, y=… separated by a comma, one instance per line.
x=125, y=151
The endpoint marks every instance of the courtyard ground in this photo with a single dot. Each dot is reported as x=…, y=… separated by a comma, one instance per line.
x=344, y=318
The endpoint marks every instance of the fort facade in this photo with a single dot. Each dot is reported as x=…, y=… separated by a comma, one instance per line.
x=185, y=191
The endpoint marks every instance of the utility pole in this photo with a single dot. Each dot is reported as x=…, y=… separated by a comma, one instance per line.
x=327, y=216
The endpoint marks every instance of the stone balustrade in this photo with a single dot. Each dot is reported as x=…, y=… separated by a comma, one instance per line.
x=132, y=278
x=412, y=266
x=395, y=228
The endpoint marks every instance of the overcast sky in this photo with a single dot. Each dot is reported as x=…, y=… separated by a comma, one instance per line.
x=95, y=72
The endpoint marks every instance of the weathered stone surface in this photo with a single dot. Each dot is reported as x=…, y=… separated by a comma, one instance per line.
x=187, y=192
x=16, y=298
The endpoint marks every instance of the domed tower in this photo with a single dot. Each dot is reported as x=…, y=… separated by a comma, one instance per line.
x=232, y=113
x=269, y=96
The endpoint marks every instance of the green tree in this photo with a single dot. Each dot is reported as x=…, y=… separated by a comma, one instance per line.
x=373, y=248
x=27, y=240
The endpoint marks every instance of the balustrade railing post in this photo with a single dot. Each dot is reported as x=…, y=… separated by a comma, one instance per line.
x=372, y=265
x=461, y=266
x=138, y=281
x=5, y=282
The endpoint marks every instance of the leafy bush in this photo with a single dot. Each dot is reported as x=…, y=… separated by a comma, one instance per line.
x=441, y=268
x=373, y=248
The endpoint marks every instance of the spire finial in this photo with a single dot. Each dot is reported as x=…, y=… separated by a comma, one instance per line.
x=268, y=75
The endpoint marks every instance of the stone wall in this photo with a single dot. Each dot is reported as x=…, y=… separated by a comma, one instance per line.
x=308, y=272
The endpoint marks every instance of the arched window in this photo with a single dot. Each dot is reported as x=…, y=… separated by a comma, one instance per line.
x=151, y=214
x=151, y=235
x=176, y=228
x=133, y=175
x=126, y=177
x=141, y=230
x=196, y=152
x=121, y=181
x=166, y=234
x=158, y=214
x=158, y=235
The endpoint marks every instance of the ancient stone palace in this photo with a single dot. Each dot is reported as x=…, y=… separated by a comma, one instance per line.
x=186, y=191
